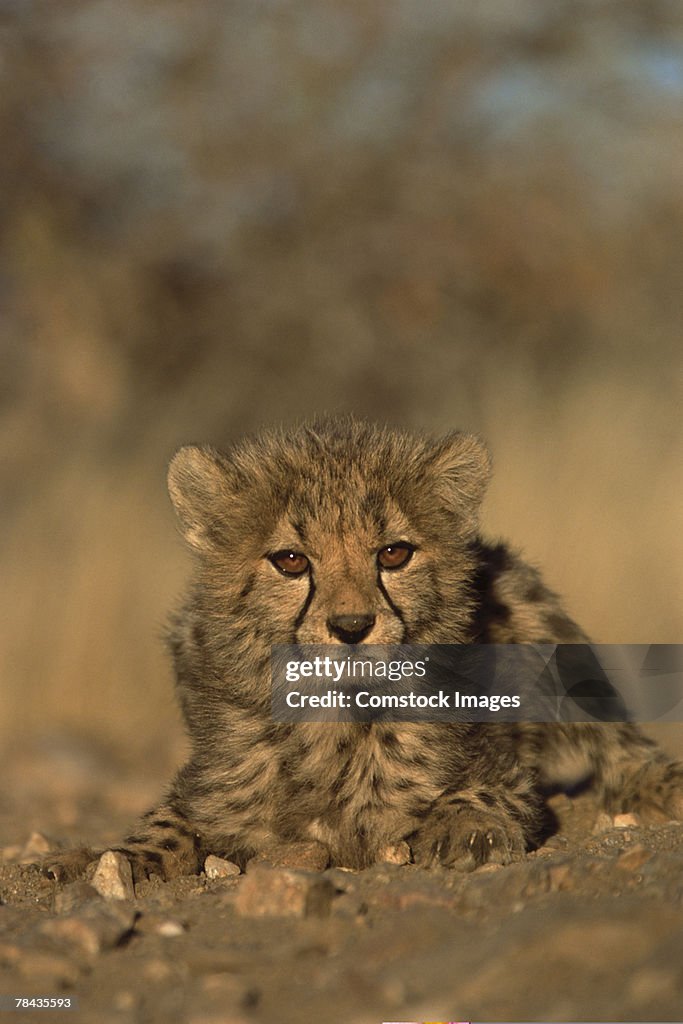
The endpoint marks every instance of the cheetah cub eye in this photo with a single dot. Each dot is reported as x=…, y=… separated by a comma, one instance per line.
x=395, y=556
x=290, y=563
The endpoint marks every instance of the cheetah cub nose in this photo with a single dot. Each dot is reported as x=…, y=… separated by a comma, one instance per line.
x=351, y=629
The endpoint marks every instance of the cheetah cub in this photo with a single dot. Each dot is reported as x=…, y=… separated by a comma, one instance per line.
x=346, y=532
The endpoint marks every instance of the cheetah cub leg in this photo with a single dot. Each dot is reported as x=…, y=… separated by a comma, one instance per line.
x=631, y=773
x=654, y=792
x=163, y=844
x=636, y=776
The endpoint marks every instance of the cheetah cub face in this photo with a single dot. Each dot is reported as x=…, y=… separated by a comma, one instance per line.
x=346, y=582
x=345, y=540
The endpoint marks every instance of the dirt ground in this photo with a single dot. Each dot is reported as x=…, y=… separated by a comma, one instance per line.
x=589, y=927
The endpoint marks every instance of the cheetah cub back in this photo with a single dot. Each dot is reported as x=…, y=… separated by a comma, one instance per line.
x=343, y=532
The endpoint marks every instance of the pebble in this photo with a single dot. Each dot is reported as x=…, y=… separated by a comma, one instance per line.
x=217, y=867
x=125, y=1000
x=556, y=842
x=73, y=896
x=560, y=877
x=11, y=853
x=35, y=847
x=227, y=988
x=37, y=844
x=634, y=858
x=282, y=892
x=398, y=853
x=73, y=932
x=170, y=929
x=48, y=969
x=648, y=984
x=113, y=877
x=603, y=823
x=159, y=924
x=9, y=954
x=99, y=926
x=157, y=970
x=625, y=820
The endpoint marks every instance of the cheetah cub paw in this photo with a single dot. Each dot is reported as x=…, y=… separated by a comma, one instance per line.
x=467, y=840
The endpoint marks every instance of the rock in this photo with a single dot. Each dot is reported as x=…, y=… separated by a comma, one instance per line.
x=221, y=997
x=36, y=846
x=282, y=892
x=634, y=858
x=398, y=853
x=113, y=877
x=170, y=929
x=603, y=823
x=394, y=892
x=74, y=932
x=11, y=853
x=648, y=984
x=75, y=895
x=9, y=954
x=125, y=1001
x=48, y=969
x=304, y=856
x=624, y=820
x=159, y=924
x=99, y=926
x=227, y=989
x=557, y=842
x=560, y=877
x=157, y=970
x=217, y=867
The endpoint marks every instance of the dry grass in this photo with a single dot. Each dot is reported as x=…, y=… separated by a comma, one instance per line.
x=182, y=267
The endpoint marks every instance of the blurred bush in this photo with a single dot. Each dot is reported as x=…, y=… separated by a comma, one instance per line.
x=223, y=215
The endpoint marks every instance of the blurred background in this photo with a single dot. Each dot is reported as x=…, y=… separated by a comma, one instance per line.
x=219, y=216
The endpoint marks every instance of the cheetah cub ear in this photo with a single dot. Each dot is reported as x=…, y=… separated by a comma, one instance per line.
x=200, y=488
x=461, y=467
